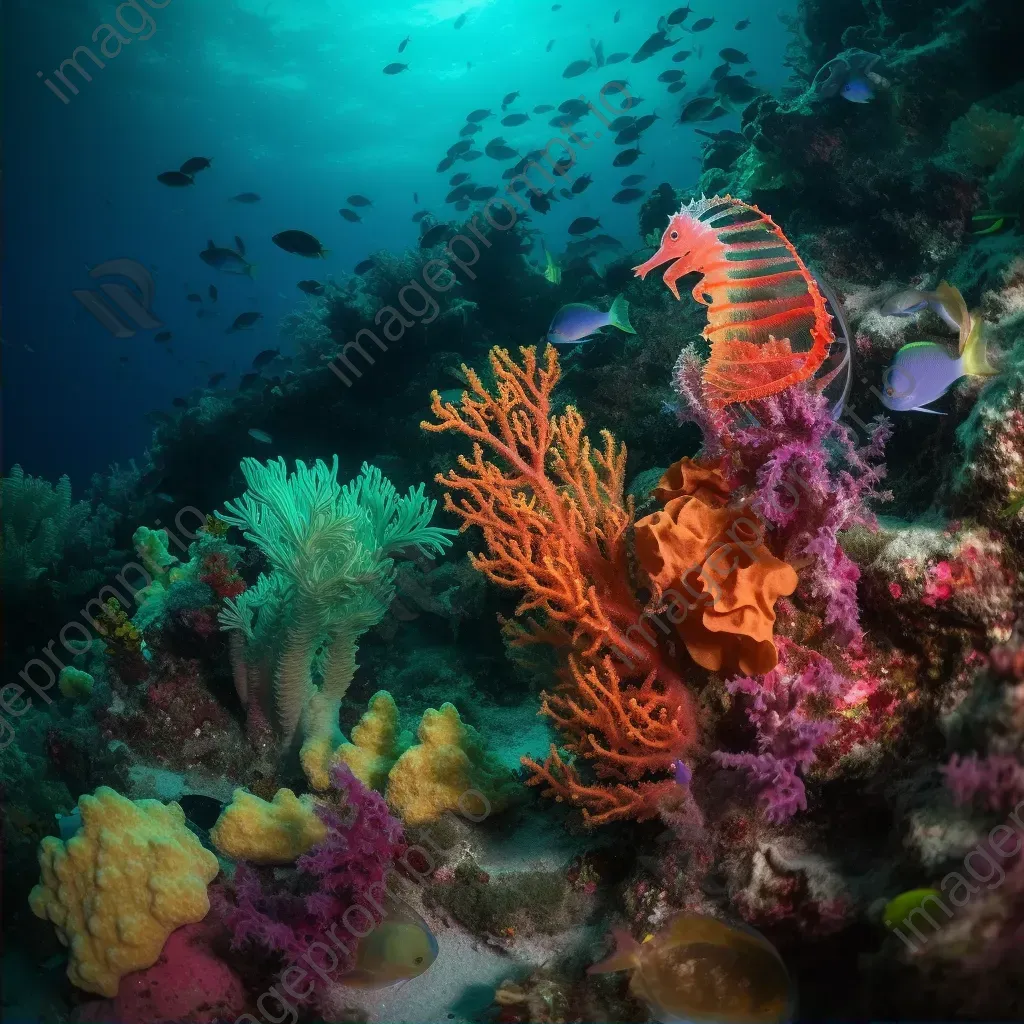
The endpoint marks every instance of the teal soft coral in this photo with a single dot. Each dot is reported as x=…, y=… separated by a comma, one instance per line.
x=330, y=548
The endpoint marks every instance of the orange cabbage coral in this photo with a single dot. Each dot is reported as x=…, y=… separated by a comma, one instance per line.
x=555, y=524
x=709, y=565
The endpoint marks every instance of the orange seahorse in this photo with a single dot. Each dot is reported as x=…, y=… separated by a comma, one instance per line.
x=767, y=322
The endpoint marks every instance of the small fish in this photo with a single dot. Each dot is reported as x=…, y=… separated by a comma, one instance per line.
x=469, y=130
x=683, y=774
x=265, y=358
x=628, y=195
x=698, y=968
x=989, y=222
x=578, y=321
x=460, y=21
x=311, y=287
x=1016, y=505
x=741, y=25
x=175, y=179
x=358, y=200
x=458, y=179
x=434, y=235
x=913, y=300
x=240, y=245
x=445, y=164
x=574, y=107
x=679, y=15
x=858, y=90
x=229, y=261
x=678, y=58
x=627, y=157
x=583, y=225
x=509, y=99
x=581, y=184
x=162, y=336
x=654, y=43
x=245, y=197
x=698, y=109
x=598, y=47
x=472, y=154
x=616, y=16
x=212, y=292
x=633, y=179
x=552, y=271
x=541, y=202
x=460, y=147
x=462, y=205
x=301, y=243
x=350, y=215
x=194, y=297
x=363, y=266
x=703, y=25
x=577, y=68
x=547, y=49
x=736, y=89
x=670, y=76
x=215, y=379
x=260, y=435
x=725, y=135
x=403, y=44
x=395, y=69
x=201, y=810
x=416, y=197
x=483, y=192
x=733, y=56
x=515, y=119
x=923, y=371
x=677, y=87
x=195, y=164
x=620, y=124
x=556, y=7
x=497, y=149
x=243, y=321
x=543, y=108
x=479, y=115
x=616, y=58
x=401, y=947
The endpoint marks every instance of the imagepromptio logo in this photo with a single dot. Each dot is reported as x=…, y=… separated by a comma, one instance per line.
x=135, y=306
x=139, y=24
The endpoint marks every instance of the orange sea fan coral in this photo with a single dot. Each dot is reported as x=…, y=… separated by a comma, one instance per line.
x=709, y=565
x=555, y=523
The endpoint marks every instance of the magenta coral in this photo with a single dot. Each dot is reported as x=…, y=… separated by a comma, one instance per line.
x=783, y=708
x=348, y=868
x=806, y=478
x=996, y=781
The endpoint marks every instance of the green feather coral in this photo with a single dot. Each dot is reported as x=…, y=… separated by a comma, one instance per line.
x=296, y=630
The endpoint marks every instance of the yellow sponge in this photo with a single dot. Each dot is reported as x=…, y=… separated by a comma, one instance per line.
x=130, y=876
x=376, y=743
x=450, y=764
x=267, y=833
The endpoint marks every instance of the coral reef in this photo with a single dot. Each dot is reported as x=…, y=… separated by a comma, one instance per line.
x=277, y=832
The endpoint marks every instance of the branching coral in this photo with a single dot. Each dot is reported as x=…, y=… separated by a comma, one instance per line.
x=554, y=523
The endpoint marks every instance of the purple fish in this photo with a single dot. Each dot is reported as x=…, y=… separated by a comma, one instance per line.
x=683, y=773
x=578, y=321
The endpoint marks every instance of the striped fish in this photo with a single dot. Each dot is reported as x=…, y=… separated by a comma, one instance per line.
x=767, y=322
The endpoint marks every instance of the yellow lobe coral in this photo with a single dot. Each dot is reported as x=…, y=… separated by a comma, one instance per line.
x=320, y=727
x=130, y=876
x=267, y=833
x=448, y=770
x=376, y=743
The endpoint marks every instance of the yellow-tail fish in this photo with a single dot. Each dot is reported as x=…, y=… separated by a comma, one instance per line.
x=401, y=947
x=923, y=371
x=699, y=969
x=552, y=271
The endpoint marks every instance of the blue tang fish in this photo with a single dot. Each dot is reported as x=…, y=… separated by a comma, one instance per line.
x=858, y=90
x=578, y=321
x=923, y=371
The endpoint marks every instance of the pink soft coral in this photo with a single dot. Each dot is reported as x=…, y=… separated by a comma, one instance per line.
x=806, y=476
x=349, y=868
x=784, y=711
x=997, y=781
